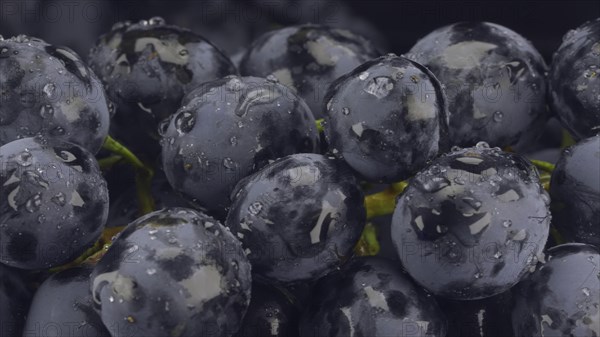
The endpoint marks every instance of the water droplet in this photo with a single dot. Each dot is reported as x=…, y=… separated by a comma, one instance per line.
x=24, y=159
x=475, y=204
x=482, y=145
x=363, y=76
x=49, y=89
x=46, y=111
x=41, y=218
x=157, y=20
x=498, y=116
x=59, y=199
x=585, y=291
x=255, y=208
x=414, y=79
x=380, y=87
x=184, y=122
x=435, y=184
x=498, y=255
x=150, y=271
x=346, y=111
x=111, y=299
x=183, y=52
x=33, y=204
x=229, y=164
x=478, y=275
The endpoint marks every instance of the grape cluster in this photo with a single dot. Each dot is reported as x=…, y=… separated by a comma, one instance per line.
x=326, y=188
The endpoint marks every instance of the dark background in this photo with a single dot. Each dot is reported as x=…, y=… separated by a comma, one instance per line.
x=233, y=24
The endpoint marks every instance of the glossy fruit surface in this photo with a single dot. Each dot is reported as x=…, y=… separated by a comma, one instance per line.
x=298, y=218
x=387, y=118
x=494, y=79
x=173, y=272
x=307, y=59
x=49, y=91
x=561, y=298
x=228, y=129
x=575, y=189
x=147, y=67
x=575, y=80
x=470, y=225
x=371, y=297
x=54, y=202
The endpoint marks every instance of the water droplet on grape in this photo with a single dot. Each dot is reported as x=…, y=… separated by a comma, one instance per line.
x=255, y=208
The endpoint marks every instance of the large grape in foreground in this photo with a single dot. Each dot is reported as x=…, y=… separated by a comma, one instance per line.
x=494, y=80
x=575, y=80
x=298, y=218
x=471, y=224
x=228, y=129
x=307, y=59
x=49, y=91
x=147, y=67
x=387, y=118
x=371, y=297
x=174, y=272
x=53, y=202
x=562, y=297
x=575, y=190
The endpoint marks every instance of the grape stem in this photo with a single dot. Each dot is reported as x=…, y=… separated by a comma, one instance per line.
x=319, y=123
x=384, y=202
x=143, y=173
x=368, y=245
x=108, y=162
x=543, y=166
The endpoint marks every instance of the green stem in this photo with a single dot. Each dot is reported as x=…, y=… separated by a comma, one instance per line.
x=384, y=202
x=319, y=122
x=143, y=173
x=544, y=166
x=113, y=146
x=368, y=245
x=108, y=162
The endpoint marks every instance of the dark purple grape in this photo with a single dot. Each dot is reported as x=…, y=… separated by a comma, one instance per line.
x=15, y=299
x=494, y=80
x=174, y=272
x=62, y=306
x=271, y=313
x=488, y=317
x=298, y=218
x=49, y=91
x=228, y=129
x=307, y=59
x=371, y=297
x=387, y=118
x=471, y=224
x=53, y=205
x=574, y=80
x=575, y=189
x=147, y=67
x=562, y=297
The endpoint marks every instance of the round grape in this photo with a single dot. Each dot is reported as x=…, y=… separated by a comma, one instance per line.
x=494, y=80
x=387, y=118
x=49, y=91
x=471, y=224
x=173, y=272
x=298, y=218
x=53, y=205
